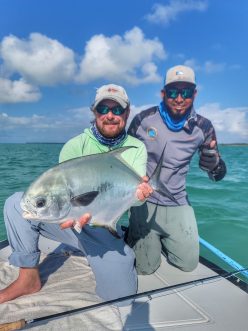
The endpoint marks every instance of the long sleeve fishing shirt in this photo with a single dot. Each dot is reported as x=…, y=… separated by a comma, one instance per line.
x=179, y=148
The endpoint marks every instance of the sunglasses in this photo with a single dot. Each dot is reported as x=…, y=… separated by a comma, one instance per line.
x=116, y=110
x=185, y=93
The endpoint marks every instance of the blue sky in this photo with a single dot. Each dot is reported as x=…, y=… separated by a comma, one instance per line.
x=54, y=54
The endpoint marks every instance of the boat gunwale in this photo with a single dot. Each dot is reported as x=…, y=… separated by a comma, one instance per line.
x=233, y=278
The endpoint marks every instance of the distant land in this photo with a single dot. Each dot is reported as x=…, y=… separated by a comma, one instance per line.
x=46, y=143
x=59, y=143
x=234, y=144
x=220, y=144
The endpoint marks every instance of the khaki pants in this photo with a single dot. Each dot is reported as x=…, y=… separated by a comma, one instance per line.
x=173, y=230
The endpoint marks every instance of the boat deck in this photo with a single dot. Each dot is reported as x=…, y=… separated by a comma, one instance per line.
x=212, y=306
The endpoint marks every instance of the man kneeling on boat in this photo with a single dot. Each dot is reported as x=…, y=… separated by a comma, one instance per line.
x=111, y=260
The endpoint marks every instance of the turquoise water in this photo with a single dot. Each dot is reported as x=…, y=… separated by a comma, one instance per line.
x=221, y=208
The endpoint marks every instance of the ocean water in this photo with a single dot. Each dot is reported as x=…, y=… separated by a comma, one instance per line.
x=221, y=208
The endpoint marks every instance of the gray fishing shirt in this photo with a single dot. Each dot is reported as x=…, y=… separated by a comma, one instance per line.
x=198, y=132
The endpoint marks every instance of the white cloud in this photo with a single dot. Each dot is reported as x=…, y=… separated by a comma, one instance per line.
x=82, y=115
x=136, y=110
x=208, y=66
x=231, y=124
x=235, y=66
x=228, y=121
x=16, y=122
x=49, y=128
x=42, y=61
x=17, y=91
x=165, y=14
x=128, y=59
x=57, y=128
x=211, y=67
x=39, y=59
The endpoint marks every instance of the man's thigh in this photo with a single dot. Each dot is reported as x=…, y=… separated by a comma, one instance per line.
x=144, y=238
x=180, y=241
x=112, y=262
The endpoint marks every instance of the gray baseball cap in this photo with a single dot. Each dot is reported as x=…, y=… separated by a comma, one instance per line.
x=180, y=73
x=112, y=92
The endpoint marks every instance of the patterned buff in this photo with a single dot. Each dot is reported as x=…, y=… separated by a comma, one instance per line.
x=110, y=142
x=172, y=124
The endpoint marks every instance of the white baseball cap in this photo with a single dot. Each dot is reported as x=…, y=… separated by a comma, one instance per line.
x=180, y=73
x=112, y=92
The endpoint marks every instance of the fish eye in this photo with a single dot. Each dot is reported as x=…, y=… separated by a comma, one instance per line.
x=40, y=202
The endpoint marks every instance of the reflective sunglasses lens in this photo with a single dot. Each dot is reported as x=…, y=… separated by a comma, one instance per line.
x=102, y=109
x=118, y=110
x=187, y=93
x=172, y=93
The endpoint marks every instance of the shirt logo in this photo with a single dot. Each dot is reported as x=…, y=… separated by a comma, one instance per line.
x=152, y=133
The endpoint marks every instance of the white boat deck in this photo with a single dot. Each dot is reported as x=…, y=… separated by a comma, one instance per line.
x=213, y=306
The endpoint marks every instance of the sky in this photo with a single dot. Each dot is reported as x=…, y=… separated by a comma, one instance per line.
x=54, y=54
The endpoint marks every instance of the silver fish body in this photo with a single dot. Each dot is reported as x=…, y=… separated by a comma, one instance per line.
x=103, y=185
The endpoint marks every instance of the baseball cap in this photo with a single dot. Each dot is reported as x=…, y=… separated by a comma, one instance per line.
x=112, y=92
x=180, y=73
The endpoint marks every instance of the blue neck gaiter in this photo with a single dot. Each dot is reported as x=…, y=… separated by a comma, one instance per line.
x=171, y=123
x=110, y=142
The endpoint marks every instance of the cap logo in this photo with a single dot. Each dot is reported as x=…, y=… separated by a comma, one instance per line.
x=179, y=73
x=112, y=90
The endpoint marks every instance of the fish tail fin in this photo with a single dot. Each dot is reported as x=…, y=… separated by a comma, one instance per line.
x=155, y=183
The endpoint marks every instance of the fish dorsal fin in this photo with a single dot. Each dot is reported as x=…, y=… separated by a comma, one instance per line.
x=84, y=199
x=117, y=154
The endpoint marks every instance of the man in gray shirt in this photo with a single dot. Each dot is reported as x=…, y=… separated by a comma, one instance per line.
x=174, y=131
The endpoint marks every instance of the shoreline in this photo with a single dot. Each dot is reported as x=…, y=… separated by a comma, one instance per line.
x=59, y=143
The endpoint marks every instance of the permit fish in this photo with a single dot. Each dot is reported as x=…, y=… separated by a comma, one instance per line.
x=103, y=185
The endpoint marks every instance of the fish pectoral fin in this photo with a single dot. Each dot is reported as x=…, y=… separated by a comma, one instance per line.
x=84, y=199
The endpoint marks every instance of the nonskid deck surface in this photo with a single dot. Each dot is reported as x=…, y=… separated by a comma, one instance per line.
x=68, y=283
x=213, y=306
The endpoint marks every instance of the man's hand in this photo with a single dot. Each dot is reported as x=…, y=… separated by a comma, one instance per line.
x=77, y=225
x=209, y=157
x=144, y=190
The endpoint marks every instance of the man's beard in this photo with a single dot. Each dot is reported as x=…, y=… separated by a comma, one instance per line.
x=177, y=116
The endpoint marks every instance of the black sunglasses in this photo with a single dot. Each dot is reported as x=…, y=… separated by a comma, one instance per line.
x=185, y=93
x=104, y=109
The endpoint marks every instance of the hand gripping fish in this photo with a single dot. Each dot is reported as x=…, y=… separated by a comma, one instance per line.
x=103, y=185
